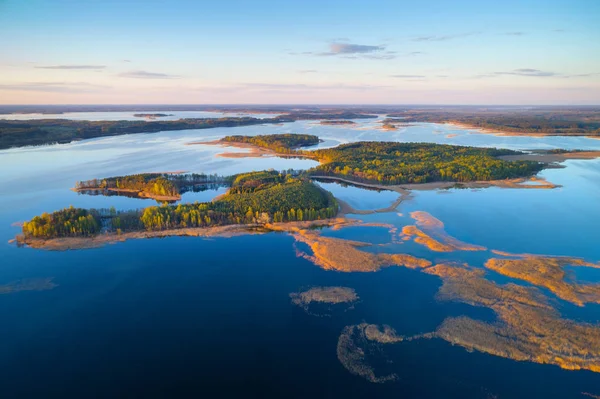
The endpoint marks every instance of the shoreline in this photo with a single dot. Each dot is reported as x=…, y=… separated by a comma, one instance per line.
x=499, y=132
x=227, y=231
x=405, y=188
x=255, y=151
x=139, y=194
x=550, y=158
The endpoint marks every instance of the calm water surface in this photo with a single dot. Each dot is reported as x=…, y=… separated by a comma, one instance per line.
x=212, y=317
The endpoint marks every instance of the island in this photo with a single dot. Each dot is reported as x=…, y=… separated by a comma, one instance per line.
x=253, y=198
x=337, y=123
x=163, y=187
x=261, y=198
x=152, y=116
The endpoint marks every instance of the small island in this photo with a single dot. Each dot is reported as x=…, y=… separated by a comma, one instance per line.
x=151, y=116
x=337, y=123
x=163, y=187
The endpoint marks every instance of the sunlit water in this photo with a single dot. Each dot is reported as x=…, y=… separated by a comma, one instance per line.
x=191, y=316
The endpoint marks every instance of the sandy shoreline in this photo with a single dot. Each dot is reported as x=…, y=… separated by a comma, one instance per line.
x=72, y=243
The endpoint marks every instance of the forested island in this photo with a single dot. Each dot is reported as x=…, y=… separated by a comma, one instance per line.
x=337, y=123
x=158, y=115
x=402, y=163
x=281, y=143
x=399, y=163
x=254, y=198
x=270, y=196
x=159, y=186
x=16, y=133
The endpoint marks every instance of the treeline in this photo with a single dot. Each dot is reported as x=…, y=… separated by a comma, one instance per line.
x=258, y=197
x=68, y=222
x=281, y=143
x=155, y=184
x=16, y=133
x=402, y=163
x=559, y=123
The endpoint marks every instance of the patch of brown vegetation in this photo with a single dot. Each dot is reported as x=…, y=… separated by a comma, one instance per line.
x=332, y=295
x=433, y=236
x=69, y=243
x=527, y=329
x=324, y=295
x=345, y=256
x=548, y=272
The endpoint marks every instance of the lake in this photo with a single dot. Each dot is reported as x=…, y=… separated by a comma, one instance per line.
x=186, y=316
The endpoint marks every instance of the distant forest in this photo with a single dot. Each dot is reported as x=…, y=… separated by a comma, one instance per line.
x=557, y=123
x=16, y=133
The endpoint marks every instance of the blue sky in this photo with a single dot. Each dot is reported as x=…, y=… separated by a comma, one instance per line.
x=323, y=52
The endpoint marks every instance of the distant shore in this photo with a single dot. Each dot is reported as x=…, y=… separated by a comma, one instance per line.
x=502, y=132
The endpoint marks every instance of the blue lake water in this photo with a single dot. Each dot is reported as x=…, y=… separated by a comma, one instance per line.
x=184, y=316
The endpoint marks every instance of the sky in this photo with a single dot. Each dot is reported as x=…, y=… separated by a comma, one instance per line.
x=300, y=52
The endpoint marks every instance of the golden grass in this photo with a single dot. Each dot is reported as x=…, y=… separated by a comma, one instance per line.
x=432, y=235
x=345, y=256
x=527, y=329
x=548, y=272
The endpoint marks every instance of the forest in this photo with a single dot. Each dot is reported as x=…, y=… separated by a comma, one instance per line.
x=402, y=163
x=281, y=143
x=19, y=133
x=256, y=197
x=150, y=184
x=549, y=122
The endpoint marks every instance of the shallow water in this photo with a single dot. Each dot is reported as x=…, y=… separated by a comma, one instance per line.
x=179, y=316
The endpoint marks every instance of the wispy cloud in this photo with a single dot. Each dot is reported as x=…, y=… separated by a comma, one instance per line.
x=442, y=38
x=355, y=51
x=147, y=75
x=515, y=33
x=53, y=87
x=71, y=67
x=527, y=72
x=352, y=48
x=407, y=76
x=308, y=71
